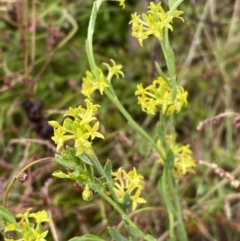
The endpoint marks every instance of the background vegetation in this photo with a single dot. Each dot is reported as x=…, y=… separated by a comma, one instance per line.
x=42, y=56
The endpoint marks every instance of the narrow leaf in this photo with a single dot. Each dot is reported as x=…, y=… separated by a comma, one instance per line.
x=150, y=238
x=126, y=201
x=86, y=159
x=170, y=158
x=87, y=237
x=65, y=163
x=162, y=74
x=7, y=216
x=116, y=235
x=134, y=231
x=171, y=68
x=108, y=169
x=60, y=174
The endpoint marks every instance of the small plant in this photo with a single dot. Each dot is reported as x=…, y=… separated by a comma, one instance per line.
x=75, y=138
x=120, y=188
x=29, y=228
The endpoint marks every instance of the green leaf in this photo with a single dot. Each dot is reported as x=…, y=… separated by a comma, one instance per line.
x=2, y=223
x=169, y=158
x=134, y=231
x=63, y=162
x=87, y=237
x=60, y=174
x=108, y=169
x=171, y=68
x=168, y=82
x=86, y=159
x=73, y=159
x=68, y=158
x=150, y=238
x=7, y=216
x=160, y=128
x=98, y=185
x=126, y=201
x=116, y=235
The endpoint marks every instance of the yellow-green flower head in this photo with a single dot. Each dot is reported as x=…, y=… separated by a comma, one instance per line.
x=40, y=216
x=87, y=194
x=153, y=23
x=91, y=83
x=121, y=2
x=113, y=70
x=30, y=230
x=79, y=127
x=130, y=183
x=159, y=96
x=183, y=159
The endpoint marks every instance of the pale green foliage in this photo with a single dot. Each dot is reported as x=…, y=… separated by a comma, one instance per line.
x=78, y=170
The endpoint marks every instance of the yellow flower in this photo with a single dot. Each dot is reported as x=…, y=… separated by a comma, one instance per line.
x=82, y=143
x=158, y=96
x=113, y=70
x=59, y=137
x=137, y=199
x=183, y=159
x=121, y=3
x=79, y=127
x=153, y=23
x=90, y=83
x=131, y=183
x=30, y=231
x=93, y=131
x=41, y=216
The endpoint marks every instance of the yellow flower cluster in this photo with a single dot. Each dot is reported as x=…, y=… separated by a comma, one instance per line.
x=153, y=23
x=31, y=231
x=79, y=128
x=183, y=160
x=92, y=83
x=130, y=183
x=158, y=95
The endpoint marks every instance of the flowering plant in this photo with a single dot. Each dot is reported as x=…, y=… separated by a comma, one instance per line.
x=75, y=137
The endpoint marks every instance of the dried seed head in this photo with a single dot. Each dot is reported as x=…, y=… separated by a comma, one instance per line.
x=22, y=178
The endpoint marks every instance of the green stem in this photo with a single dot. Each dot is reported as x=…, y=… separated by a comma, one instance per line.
x=131, y=122
x=89, y=45
x=124, y=216
x=167, y=200
x=174, y=7
x=111, y=94
x=180, y=226
x=17, y=176
x=101, y=171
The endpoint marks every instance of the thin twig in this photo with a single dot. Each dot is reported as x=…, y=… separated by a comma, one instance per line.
x=216, y=119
